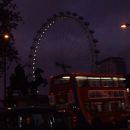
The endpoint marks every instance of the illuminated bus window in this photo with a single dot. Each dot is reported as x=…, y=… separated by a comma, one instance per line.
x=105, y=106
x=117, y=105
x=96, y=106
x=123, y=105
x=61, y=81
x=99, y=107
x=113, y=106
x=94, y=81
x=115, y=82
x=122, y=82
x=82, y=81
x=106, y=82
x=109, y=107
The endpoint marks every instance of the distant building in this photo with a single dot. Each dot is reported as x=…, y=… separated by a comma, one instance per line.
x=114, y=65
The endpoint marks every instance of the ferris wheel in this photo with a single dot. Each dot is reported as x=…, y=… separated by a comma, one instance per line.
x=52, y=25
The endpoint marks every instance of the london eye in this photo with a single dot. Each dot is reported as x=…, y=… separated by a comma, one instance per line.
x=65, y=42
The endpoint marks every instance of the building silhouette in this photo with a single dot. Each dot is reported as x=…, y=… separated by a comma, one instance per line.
x=113, y=65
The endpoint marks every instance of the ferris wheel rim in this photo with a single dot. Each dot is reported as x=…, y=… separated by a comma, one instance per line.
x=47, y=25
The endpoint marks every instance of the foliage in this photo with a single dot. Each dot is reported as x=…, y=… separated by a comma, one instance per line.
x=9, y=19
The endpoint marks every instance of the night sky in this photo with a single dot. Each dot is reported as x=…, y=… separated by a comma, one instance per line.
x=104, y=16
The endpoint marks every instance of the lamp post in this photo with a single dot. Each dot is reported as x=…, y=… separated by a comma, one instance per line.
x=5, y=40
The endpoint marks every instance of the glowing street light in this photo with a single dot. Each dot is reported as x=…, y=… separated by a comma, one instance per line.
x=125, y=26
x=6, y=36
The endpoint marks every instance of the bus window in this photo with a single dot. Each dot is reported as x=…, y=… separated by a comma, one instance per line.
x=122, y=82
x=117, y=105
x=109, y=107
x=61, y=80
x=96, y=106
x=106, y=82
x=115, y=82
x=94, y=81
x=99, y=107
x=106, y=106
x=112, y=106
x=123, y=105
x=82, y=81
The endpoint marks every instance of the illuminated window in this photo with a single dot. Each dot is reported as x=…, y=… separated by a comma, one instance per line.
x=62, y=80
x=82, y=81
x=94, y=81
x=106, y=82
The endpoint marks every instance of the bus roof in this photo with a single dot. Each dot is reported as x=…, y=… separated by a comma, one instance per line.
x=87, y=74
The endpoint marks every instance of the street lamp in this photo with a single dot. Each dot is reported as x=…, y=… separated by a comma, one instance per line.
x=5, y=40
x=6, y=36
x=125, y=26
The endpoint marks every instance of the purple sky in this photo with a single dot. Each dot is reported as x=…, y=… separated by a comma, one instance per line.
x=104, y=16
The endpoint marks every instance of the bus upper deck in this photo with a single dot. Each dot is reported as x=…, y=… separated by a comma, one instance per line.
x=103, y=94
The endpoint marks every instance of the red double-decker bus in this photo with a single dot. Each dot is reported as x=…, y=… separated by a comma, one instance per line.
x=95, y=100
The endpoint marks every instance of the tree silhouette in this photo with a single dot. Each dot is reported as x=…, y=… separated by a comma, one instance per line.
x=19, y=81
x=9, y=19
